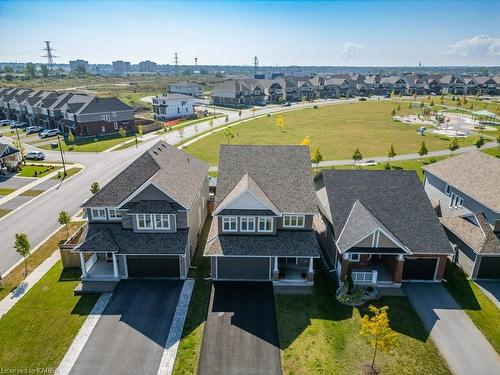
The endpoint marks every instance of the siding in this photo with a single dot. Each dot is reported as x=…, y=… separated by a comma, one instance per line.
x=197, y=215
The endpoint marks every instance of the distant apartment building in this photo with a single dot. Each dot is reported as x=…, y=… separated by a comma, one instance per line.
x=186, y=88
x=121, y=66
x=74, y=64
x=173, y=105
x=148, y=67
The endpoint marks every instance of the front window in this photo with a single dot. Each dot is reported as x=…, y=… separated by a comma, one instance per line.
x=265, y=224
x=162, y=221
x=98, y=213
x=293, y=221
x=145, y=221
x=354, y=257
x=113, y=214
x=247, y=224
x=229, y=224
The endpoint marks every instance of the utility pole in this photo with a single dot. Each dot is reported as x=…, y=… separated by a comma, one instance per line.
x=62, y=155
x=176, y=63
x=195, y=62
x=49, y=55
x=255, y=64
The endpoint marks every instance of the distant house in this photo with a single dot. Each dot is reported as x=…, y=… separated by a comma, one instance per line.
x=145, y=222
x=10, y=157
x=186, y=88
x=171, y=106
x=240, y=92
x=396, y=84
x=262, y=228
x=382, y=225
x=486, y=85
x=451, y=84
x=466, y=189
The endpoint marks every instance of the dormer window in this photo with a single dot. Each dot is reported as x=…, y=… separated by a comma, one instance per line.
x=162, y=221
x=265, y=224
x=293, y=221
x=98, y=213
x=153, y=221
x=247, y=224
x=448, y=189
x=144, y=221
x=113, y=214
x=229, y=224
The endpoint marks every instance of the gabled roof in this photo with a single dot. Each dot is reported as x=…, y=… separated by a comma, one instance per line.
x=98, y=105
x=282, y=173
x=174, y=172
x=185, y=84
x=479, y=238
x=395, y=198
x=6, y=150
x=473, y=173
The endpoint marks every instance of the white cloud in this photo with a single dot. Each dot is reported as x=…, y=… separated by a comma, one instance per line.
x=478, y=46
x=351, y=49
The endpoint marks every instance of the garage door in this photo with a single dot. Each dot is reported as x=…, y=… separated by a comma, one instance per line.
x=242, y=268
x=153, y=266
x=489, y=268
x=419, y=268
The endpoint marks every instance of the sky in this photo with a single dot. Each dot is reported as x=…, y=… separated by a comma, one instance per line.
x=345, y=33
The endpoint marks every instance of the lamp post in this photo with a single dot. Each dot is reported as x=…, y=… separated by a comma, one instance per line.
x=62, y=155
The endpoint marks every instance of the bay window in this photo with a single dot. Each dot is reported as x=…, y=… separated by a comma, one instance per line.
x=247, y=224
x=229, y=224
x=293, y=221
x=265, y=224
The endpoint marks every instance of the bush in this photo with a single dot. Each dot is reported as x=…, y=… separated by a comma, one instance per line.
x=432, y=160
x=387, y=166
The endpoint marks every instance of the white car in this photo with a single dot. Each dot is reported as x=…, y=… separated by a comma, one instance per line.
x=49, y=133
x=367, y=163
x=4, y=122
x=35, y=155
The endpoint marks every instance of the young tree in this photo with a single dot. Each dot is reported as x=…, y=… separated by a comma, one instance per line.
x=305, y=141
x=30, y=70
x=453, y=146
x=94, y=187
x=377, y=332
x=239, y=113
x=423, y=150
x=211, y=124
x=390, y=153
x=227, y=119
x=23, y=247
x=228, y=134
x=71, y=137
x=393, y=113
x=357, y=156
x=64, y=219
x=280, y=122
x=316, y=157
x=122, y=132
x=181, y=136
x=196, y=129
x=140, y=130
x=398, y=108
x=253, y=111
x=479, y=142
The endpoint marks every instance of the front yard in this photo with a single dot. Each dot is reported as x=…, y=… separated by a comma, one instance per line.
x=90, y=144
x=480, y=309
x=38, y=330
x=318, y=335
x=36, y=170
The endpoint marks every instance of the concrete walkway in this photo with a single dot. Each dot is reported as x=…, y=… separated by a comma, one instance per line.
x=460, y=342
x=8, y=302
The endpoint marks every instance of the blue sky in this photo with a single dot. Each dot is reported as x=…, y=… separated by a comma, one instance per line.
x=361, y=33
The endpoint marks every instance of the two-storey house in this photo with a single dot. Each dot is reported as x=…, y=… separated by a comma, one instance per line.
x=262, y=228
x=172, y=106
x=466, y=189
x=186, y=88
x=381, y=225
x=146, y=221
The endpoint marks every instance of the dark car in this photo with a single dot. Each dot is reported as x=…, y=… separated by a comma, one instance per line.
x=362, y=99
x=33, y=129
x=287, y=104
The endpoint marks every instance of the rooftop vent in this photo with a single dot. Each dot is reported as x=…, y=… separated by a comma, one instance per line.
x=154, y=152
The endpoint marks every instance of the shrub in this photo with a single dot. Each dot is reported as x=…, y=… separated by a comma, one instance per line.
x=432, y=160
x=387, y=166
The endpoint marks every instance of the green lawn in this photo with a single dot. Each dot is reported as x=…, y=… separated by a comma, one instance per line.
x=471, y=105
x=480, y=309
x=32, y=193
x=188, y=352
x=69, y=172
x=90, y=144
x=4, y=211
x=5, y=191
x=38, y=330
x=318, y=335
x=29, y=170
x=335, y=129
x=493, y=152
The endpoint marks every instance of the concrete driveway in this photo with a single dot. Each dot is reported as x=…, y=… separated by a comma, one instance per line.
x=460, y=342
x=130, y=335
x=491, y=289
x=241, y=334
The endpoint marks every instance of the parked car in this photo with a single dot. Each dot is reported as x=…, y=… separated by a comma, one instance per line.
x=17, y=125
x=1, y=134
x=35, y=155
x=49, y=133
x=287, y=104
x=33, y=129
x=4, y=122
x=261, y=103
x=362, y=99
x=367, y=163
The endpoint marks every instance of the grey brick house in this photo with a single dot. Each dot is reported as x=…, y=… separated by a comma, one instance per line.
x=145, y=222
x=263, y=216
x=466, y=189
x=382, y=224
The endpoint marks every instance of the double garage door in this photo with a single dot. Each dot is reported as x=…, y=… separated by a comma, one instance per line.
x=419, y=268
x=153, y=266
x=489, y=268
x=241, y=268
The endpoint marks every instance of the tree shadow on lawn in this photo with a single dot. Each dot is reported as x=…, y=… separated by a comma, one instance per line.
x=460, y=288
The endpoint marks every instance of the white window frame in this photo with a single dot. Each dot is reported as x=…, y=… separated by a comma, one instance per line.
x=247, y=220
x=354, y=257
x=143, y=217
x=460, y=202
x=265, y=220
x=98, y=213
x=447, y=190
x=229, y=220
x=291, y=219
x=451, y=201
x=113, y=214
x=162, y=220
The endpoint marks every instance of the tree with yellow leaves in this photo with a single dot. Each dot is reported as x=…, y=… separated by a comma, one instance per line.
x=316, y=157
x=306, y=141
x=375, y=329
x=280, y=122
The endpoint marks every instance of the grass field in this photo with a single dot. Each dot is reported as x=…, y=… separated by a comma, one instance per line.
x=493, y=152
x=69, y=172
x=38, y=330
x=335, y=129
x=472, y=104
x=4, y=211
x=480, y=309
x=29, y=170
x=90, y=144
x=318, y=335
x=5, y=191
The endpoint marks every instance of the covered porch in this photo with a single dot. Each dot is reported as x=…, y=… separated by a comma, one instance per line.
x=293, y=270
x=103, y=266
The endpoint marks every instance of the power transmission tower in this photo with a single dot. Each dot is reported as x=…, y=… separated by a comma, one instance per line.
x=176, y=62
x=195, y=62
x=255, y=64
x=49, y=55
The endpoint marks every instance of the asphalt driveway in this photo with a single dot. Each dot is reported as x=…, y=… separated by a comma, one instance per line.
x=130, y=335
x=492, y=290
x=460, y=342
x=241, y=333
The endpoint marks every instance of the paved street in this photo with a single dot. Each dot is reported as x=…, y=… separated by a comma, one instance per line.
x=463, y=346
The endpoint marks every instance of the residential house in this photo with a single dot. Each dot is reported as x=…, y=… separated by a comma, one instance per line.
x=394, y=84
x=372, y=82
x=382, y=225
x=486, y=85
x=414, y=84
x=262, y=228
x=237, y=93
x=434, y=85
x=337, y=87
x=466, y=189
x=171, y=106
x=146, y=221
x=451, y=84
x=186, y=88
x=471, y=85
x=10, y=157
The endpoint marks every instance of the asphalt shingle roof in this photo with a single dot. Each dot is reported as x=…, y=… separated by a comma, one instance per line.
x=397, y=200
x=282, y=173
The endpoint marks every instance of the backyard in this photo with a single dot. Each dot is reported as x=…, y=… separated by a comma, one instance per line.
x=335, y=129
x=318, y=335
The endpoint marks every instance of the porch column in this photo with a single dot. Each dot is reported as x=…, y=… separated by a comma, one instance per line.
x=276, y=271
x=344, y=266
x=310, y=273
x=82, y=264
x=398, y=273
x=115, y=266
x=125, y=266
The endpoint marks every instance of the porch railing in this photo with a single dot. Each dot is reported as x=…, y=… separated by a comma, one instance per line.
x=91, y=261
x=364, y=277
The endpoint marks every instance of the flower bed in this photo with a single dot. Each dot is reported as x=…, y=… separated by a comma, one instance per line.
x=359, y=295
